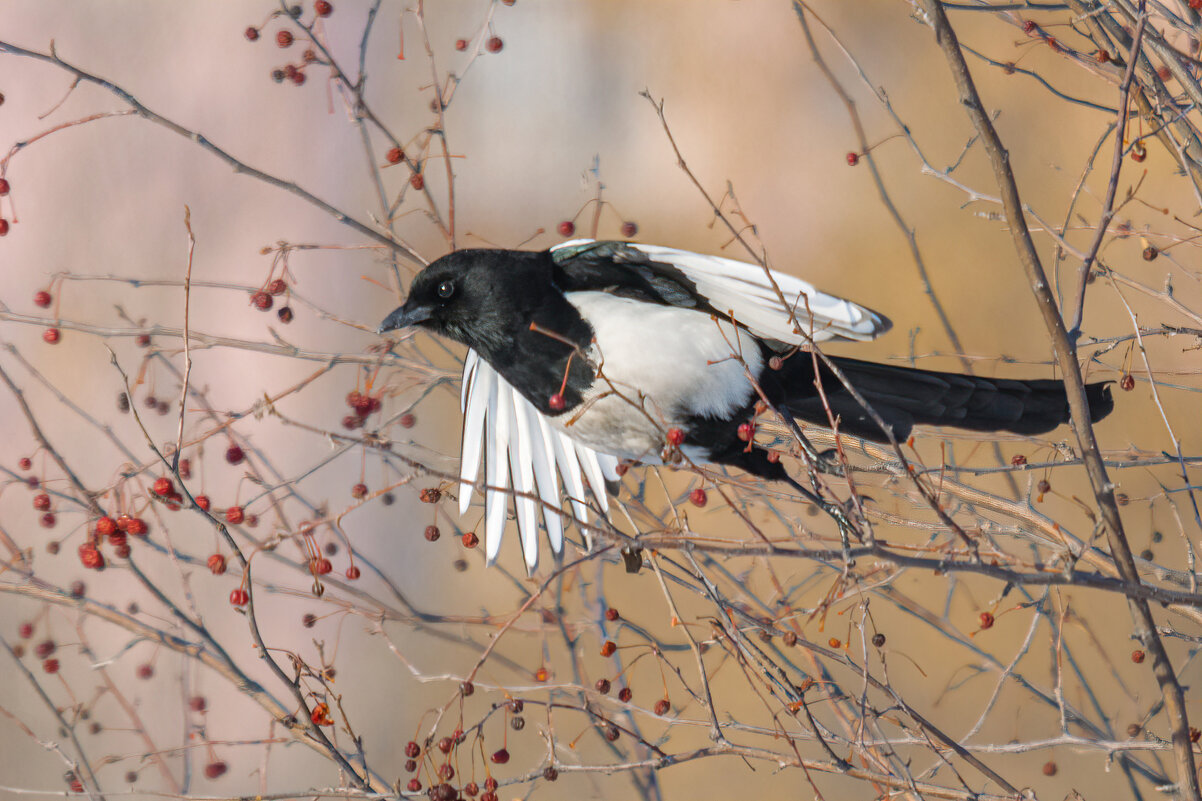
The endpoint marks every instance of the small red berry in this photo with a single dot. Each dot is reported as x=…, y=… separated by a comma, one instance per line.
x=106, y=526
x=1127, y=382
x=1018, y=460
x=625, y=694
x=461, y=45
x=48, y=520
x=197, y=703
x=163, y=486
x=90, y=557
x=25, y=631
x=261, y=301
x=414, y=785
x=25, y=463
x=417, y=181
x=42, y=298
x=50, y=666
x=542, y=675
x=352, y=572
x=1137, y=656
x=1104, y=55
x=217, y=564
x=470, y=540
x=137, y=526
x=611, y=614
x=3, y=226
x=556, y=402
x=490, y=784
x=298, y=78
x=853, y=159
x=987, y=620
x=629, y=229
x=494, y=44
x=395, y=156
x=412, y=750
x=252, y=34
x=234, y=515
x=746, y=431
x=320, y=567
x=1029, y=26
x=4, y=187
x=608, y=648
x=662, y=706
x=44, y=649
x=285, y=314
x=321, y=715
x=432, y=533
x=698, y=497
x=41, y=502
x=408, y=420
x=567, y=228
x=239, y=597
x=359, y=491
x=500, y=756
x=234, y=454
x=445, y=745
x=675, y=436
x=277, y=287
x=323, y=8
x=185, y=468
x=284, y=38
x=602, y=686
x=1151, y=252
x=50, y=336
x=1138, y=151
x=145, y=671
x=215, y=770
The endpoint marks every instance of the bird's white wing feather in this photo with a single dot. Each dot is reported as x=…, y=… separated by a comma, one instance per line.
x=745, y=291
x=522, y=450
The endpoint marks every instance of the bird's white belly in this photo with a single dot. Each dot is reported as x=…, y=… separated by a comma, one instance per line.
x=657, y=366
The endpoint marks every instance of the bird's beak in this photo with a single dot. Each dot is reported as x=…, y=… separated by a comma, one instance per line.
x=405, y=316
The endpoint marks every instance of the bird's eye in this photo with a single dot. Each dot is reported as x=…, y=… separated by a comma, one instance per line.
x=446, y=289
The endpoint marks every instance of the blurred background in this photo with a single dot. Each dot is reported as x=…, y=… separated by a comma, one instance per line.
x=532, y=130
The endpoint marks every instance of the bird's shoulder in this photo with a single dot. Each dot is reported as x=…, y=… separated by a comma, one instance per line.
x=621, y=269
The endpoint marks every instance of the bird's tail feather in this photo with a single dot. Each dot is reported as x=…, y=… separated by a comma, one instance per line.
x=906, y=396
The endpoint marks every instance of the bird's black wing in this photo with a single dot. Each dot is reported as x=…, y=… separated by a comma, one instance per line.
x=773, y=305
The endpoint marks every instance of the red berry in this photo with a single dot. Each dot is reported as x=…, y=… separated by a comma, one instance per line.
x=494, y=44
x=461, y=45
x=163, y=486
x=44, y=649
x=352, y=572
x=853, y=159
x=285, y=314
x=1138, y=152
x=48, y=520
x=252, y=34
x=284, y=38
x=412, y=750
x=41, y=501
x=408, y=420
x=417, y=181
x=629, y=229
x=145, y=671
x=359, y=490
x=675, y=436
x=51, y=666
x=746, y=431
x=490, y=784
x=277, y=287
x=185, y=468
x=432, y=533
x=234, y=454
x=261, y=301
x=320, y=567
x=50, y=336
x=25, y=631
x=203, y=503
x=1018, y=460
x=3, y=226
x=500, y=756
x=414, y=785
x=137, y=526
x=298, y=78
x=1029, y=26
x=239, y=597
x=556, y=402
x=323, y=8
x=608, y=648
x=625, y=694
x=470, y=540
x=987, y=620
x=611, y=614
x=4, y=187
x=217, y=564
x=106, y=526
x=25, y=463
x=234, y=515
x=42, y=298
x=662, y=706
x=395, y=156
x=567, y=228
x=445, y=745
x=1127, y=382
x=91, y=558
x=602, y=686
x=1137, y=656
x=215, y=770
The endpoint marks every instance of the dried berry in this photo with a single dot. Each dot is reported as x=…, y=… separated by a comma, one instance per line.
x=698, y=497
x=217, y=564
x=853, y=159
x=42, y=299
x=284, y=38
x=252, y=34
x=629, y=229
x=494, y=44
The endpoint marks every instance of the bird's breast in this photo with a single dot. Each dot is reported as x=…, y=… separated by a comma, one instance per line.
x=656, y=367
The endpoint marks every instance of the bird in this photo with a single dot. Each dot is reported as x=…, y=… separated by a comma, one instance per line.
x=596, y=352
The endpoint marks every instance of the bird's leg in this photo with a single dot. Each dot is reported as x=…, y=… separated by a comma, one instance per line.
x=835, y=510
x=823, y=461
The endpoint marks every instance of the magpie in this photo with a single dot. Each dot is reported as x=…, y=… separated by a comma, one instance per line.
x=593, y=352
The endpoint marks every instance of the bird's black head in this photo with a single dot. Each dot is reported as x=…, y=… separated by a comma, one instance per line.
x=477, y=297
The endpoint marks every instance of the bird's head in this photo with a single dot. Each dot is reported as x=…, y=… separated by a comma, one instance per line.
x=472, y=296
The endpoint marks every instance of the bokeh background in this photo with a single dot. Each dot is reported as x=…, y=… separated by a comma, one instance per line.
x=531, y=129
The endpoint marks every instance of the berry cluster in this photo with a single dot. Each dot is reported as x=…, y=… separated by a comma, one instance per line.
x=364, y=405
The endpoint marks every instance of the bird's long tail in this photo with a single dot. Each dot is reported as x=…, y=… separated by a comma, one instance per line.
x=906, y=396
